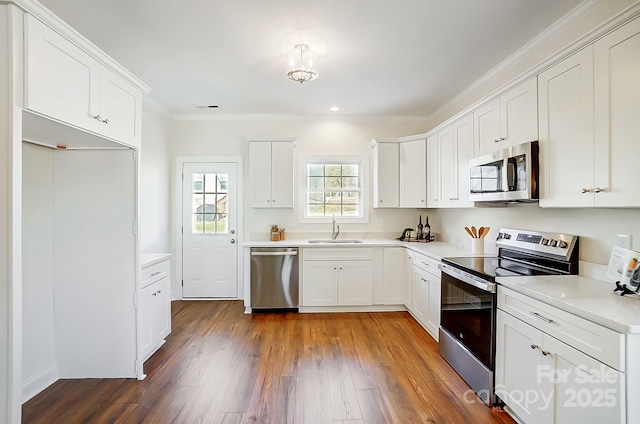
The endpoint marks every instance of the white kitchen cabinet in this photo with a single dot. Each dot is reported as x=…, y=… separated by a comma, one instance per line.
x=155, y=306
x=386, y=175
x=508, y=120
x=413, y=174
x=546, y=380
x=337, y=277
x=408, y=279
x=426, y=293
x=455, y=145
x=394, y=275
x=566, y=132
x=271, y=173
x=67, y=84
x=433, y=172
x=616, y=123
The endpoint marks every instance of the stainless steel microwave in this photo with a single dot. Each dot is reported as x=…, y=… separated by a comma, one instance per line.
x=510, y=175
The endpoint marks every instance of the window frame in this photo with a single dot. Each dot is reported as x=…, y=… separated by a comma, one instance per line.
x=364, y=177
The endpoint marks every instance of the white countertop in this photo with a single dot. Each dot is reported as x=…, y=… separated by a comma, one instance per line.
x=148, y=259
x=591, y=299
x=435, y=249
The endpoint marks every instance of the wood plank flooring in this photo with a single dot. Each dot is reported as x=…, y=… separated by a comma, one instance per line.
x=221, y=366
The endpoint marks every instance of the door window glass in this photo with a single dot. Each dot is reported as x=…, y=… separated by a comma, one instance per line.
x=209, y=213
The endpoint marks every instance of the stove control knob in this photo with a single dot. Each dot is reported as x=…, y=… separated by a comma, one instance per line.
x=562, y=244
x=500, y=235
x=507, y=236
x=545, y=241
x=554, y=243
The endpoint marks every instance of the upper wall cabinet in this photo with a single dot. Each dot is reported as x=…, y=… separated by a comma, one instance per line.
x=413, y=174
x=386, y=175
x=433, y=172
x=455, y=145
x=271, y=173
x=589, y=109
x=508, y=120
x=65, y=83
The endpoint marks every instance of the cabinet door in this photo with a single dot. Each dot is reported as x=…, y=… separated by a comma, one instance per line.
x=386, y=175
x=420, y=295
x=260, y=174
x=486, y=124
x=585, y=390
x=433, y=172
x=617, y=103
x=519, y=360
x=62, y=81
x=433, y=310
x=463, y=151
x=281, y=174
x=448, y=167
x=161, y=310
x=145, y=328
x=355, y=283
x=120, y=109
x=394, y=276
x=519, y=114
x=413, y=174
x=565, y=93
x=320, y=283
x=408, y=279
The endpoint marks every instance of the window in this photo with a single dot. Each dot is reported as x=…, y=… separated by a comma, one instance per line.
x=209, y=196
x=333, y=187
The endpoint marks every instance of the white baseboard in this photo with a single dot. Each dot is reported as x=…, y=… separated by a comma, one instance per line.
x=39, y=382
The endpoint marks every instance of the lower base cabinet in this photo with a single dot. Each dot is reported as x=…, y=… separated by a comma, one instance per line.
x=544, y=380
x=426, y=293
x=155, y=308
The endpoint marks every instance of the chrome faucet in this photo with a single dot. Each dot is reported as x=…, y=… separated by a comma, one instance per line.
x=336, y=228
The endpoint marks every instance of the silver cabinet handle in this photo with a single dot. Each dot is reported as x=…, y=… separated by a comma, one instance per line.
x=155, y=273
x=540, y=317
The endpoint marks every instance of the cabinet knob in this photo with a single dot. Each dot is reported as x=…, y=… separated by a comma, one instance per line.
x=268, y=201
x=422, y=201
x=106, y=121
x=335, y=267
x=97, y=118
x=496, y=140
x=502, y=138
x=534, y=346
x=585, y=190
x=273, y=201
x=598, y=190
x=546, y=353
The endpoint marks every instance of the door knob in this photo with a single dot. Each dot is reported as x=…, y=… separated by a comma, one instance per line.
x=233, y=241
x=233, y=231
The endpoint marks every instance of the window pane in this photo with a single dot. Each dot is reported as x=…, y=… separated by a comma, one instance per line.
x=333, y=209
x=197, y=202
x=197, y=180
x=350, y=182
x=315, y=210
x=332, y=197
x=315, y=197
x=223, y=183
x=333, y=182
x=332, y=170
x=350, y=170
x=221, y=204
x=209, y=223
x=349, y=210
x=315, y=182
x=210, y=183
x=222, y=221
x=350, y=197
x=315, y=170
x=197, y=223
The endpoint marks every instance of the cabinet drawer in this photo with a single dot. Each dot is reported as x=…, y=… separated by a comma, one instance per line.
x=339, y=254
x=426, y=263
x=154, y=273
x=601, y=343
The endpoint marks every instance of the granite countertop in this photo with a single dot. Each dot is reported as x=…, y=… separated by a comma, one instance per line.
x=148, y=259
x=585, y=297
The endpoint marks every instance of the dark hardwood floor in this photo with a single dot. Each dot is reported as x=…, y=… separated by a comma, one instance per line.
x=221, y=366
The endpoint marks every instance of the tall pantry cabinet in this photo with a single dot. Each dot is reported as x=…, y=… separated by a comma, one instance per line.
x=70, y=138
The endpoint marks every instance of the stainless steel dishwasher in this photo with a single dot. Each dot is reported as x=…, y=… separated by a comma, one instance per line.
x=274, y=278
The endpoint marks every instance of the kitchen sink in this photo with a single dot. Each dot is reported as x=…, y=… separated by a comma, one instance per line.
x=338, y=241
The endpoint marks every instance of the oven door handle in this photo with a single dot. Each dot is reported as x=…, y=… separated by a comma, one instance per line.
x=468, y=278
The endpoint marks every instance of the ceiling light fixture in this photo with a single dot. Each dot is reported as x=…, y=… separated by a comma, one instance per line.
x=334, y=109
x=299, y=72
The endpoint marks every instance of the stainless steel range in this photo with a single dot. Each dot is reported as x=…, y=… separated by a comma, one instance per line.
x=469, y=300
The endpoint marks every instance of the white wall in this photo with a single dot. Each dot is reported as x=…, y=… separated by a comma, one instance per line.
x=38, y=331
x=533, y=55
x=316, y=136
x=596, y=227
x=155, y=173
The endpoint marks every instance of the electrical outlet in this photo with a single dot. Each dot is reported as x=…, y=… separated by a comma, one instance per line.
x=623, y=240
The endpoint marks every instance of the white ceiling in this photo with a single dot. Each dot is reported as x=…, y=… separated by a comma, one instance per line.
x=374, y=57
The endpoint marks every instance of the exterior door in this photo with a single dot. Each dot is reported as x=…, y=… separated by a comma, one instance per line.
x=209, y=220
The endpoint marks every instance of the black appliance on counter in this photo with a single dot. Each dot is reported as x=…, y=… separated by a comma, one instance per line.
x=469, y=299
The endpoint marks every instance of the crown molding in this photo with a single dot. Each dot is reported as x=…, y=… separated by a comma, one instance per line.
x=290, y=117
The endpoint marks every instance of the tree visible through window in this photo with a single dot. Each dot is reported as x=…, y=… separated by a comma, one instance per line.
x=333, y=188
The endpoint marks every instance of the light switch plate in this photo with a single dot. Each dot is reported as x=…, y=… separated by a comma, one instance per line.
x=624, y=240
